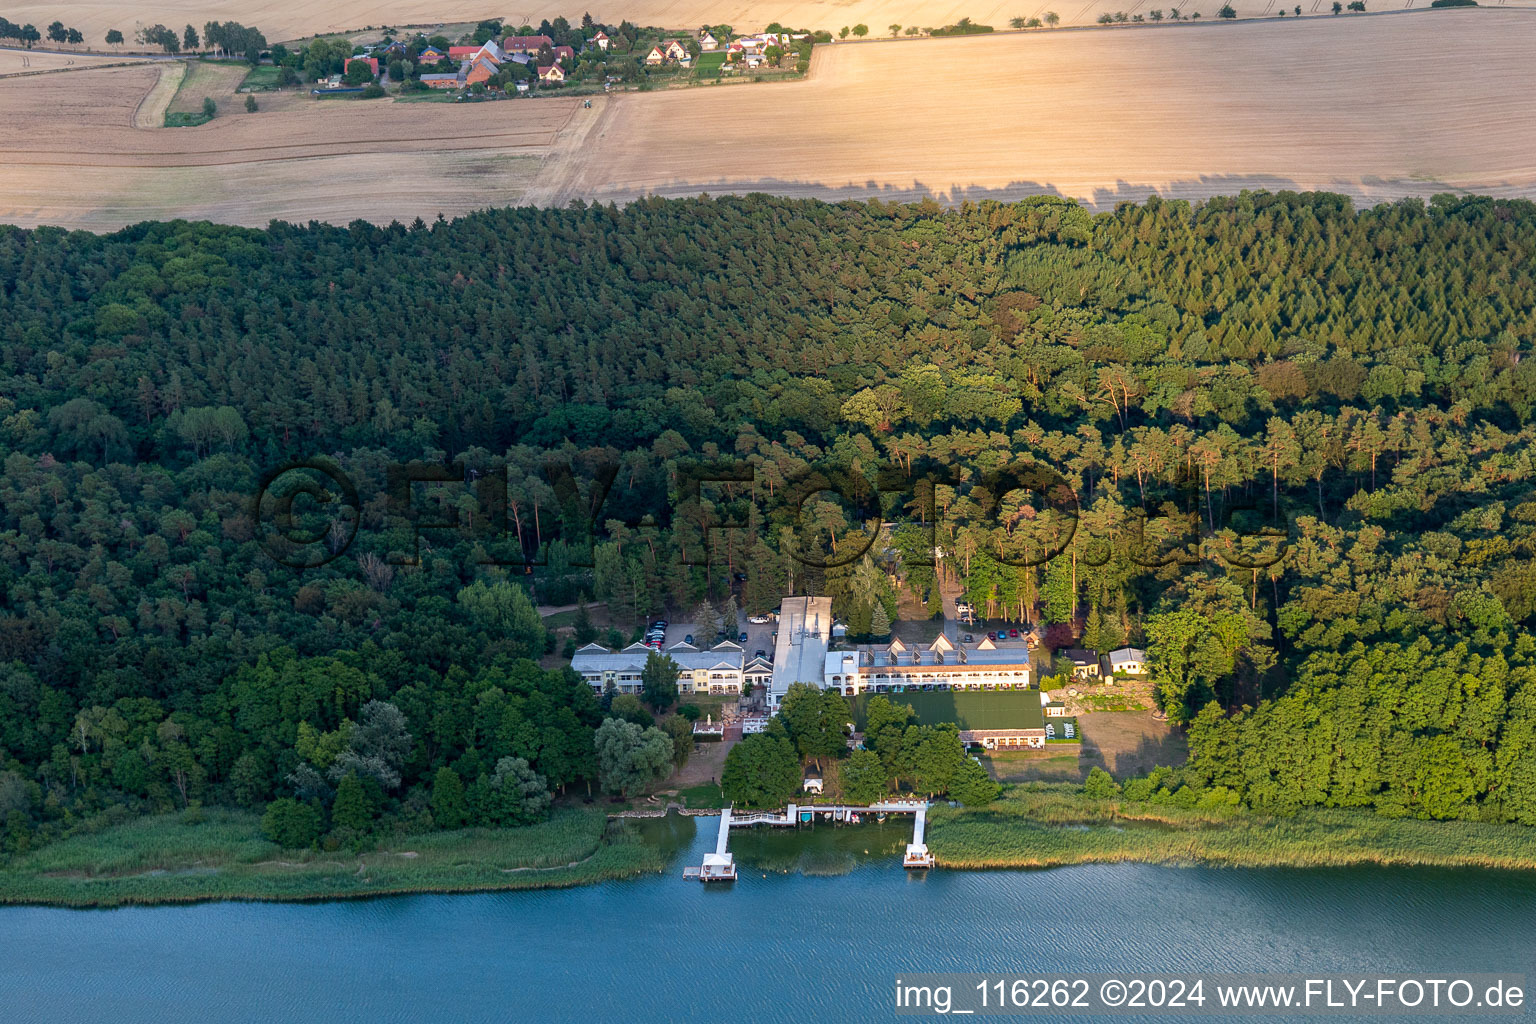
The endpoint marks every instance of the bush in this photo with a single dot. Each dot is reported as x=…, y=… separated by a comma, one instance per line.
x=290, y=824
x=250, y=105
x=1100, y=785
x=372, y=91
x=692, y=712
x=1453, y=3
x=210, y=108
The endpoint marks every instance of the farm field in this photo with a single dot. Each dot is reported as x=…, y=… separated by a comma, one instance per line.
x=292, y=19
x=1375, y=107
x=20, y=62
x=76, y=159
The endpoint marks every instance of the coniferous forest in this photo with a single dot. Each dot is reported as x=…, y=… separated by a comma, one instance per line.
x=1282, y=443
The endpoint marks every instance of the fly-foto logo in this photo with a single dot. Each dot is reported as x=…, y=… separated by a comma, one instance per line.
x=309, y=513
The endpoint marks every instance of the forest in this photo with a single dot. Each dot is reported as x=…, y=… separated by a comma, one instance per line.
x=278, y=504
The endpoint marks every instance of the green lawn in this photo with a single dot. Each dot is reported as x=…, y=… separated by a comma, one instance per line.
x=969, y=709
x=262, y=78
x=163, y=858
x=708, y=65
x=706, y=795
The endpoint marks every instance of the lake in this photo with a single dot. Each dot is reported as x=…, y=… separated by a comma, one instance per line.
x=814, y=930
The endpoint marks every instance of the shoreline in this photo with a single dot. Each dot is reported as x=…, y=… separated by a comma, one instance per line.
x=1031, y=828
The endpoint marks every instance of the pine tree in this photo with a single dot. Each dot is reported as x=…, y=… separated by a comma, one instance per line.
x=449, y=807
x=351, y=808
x=879, y=621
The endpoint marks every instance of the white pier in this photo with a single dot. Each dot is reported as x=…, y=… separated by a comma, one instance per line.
x=917, y=855
x=720, y=867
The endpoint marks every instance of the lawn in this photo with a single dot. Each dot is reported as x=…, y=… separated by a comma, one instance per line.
x=969, y=709
x=708, y=65
x=262, y=78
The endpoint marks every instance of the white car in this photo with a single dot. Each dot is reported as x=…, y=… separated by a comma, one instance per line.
x=757, y=620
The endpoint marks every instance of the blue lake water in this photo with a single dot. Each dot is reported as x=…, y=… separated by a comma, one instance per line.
x=776, y=946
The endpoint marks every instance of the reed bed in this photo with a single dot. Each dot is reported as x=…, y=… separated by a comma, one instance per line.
x=1046, y=826
x=162, y=859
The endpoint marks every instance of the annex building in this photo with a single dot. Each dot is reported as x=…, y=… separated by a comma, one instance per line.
x=717, y=670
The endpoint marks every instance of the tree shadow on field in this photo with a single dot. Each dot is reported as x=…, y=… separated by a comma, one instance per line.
x=1367, y=191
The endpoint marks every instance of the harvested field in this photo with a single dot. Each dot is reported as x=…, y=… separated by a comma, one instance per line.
x=218, y=82
x=76, y=159
x=1375, y=107
x=21, y=62
x=291, y=19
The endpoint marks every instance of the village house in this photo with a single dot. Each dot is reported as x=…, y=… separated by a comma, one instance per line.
x=676, y=49
x=446, y=80
x=551, y=73
x=708, y=42
x=430, y=55
x=530, y=45
x=564, y=54
x=463, y=52
x=601, y=40
x=481, y=69
x=714, y=671
x=1085, y=664
x=656, y=56
x=372, y=62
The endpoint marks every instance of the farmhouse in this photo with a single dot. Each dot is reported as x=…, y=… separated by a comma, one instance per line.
x=551, y=73
x=530, y=45
x=708, y=42
x=430, y=55
x=601, y=40
x=717, y=670
x=481, y=69
x=463, y=52
x=656, y=56
x=676, y=49
x=372, y=62
x=448, y=80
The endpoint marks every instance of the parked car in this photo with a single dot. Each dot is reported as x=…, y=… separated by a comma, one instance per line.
x=688, y=639
x=757, y=620
x=991, y=636
x=1013, y=634
x=760, y=653
x=969, y=639
x=742, y=638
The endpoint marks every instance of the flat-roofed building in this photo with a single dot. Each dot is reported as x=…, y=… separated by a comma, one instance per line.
x=800, y=652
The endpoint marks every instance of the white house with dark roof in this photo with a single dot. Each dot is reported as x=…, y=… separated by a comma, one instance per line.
x=717, y=670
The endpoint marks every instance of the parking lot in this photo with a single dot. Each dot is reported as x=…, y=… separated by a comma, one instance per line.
x=759, y=635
